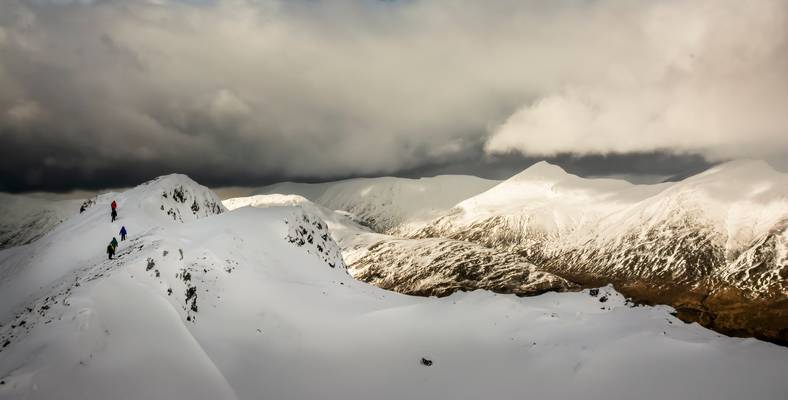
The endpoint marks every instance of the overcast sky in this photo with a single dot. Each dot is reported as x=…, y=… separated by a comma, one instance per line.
x=109, y=93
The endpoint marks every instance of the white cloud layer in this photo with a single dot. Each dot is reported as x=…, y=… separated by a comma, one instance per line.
x=703, y=76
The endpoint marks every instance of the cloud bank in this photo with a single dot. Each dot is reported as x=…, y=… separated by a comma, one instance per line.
x=237, y=91
x=708, y=77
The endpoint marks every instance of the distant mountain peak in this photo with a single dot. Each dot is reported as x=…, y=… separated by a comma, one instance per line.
x=171, y=179
x=742, y=167
x=542, y=170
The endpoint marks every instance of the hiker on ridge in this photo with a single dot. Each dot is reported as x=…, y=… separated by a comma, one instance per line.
x=122, y=233
x=114, y=243
x=110, y=251
x=114, y=206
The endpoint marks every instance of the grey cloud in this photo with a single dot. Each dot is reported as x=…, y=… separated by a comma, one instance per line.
x=234, y=92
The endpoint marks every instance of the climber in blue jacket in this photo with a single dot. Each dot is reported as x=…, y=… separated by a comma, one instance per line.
x=122, y=233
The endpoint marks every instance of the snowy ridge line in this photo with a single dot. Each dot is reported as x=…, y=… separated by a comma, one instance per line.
x=24, y=220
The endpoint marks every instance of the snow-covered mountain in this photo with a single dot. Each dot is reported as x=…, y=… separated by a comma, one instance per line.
x=389, y=203
x=713, y=245
x=24, y=219
x=427, y=267
x=201, y=303
x=541, y=203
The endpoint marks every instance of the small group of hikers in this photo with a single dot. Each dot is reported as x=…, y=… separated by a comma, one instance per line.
x=113, y=244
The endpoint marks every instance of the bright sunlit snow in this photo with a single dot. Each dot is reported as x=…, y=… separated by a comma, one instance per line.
x=271, y=317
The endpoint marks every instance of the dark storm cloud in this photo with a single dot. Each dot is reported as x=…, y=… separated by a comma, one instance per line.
x=636, y=167
x=240, y=92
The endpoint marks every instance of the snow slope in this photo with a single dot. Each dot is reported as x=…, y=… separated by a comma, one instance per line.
x=388, y=203
x=255, y=313
x=714, y=245
x=25, y=219
x=347, y=229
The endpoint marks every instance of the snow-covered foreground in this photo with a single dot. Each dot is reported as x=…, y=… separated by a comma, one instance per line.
x=274, y=314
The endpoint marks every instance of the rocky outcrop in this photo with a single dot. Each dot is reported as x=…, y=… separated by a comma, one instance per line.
x=310, y=232
x=439, y=267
